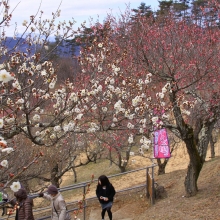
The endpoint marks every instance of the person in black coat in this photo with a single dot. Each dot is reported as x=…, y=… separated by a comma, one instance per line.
x=105, y=193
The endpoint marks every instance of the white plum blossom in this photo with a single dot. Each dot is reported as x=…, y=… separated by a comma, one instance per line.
x=149, y=99
x=83, y=92
x=148, y=79
x=141, y=130
x=160, y=94
x=38, y=67
x=37, y=125
x=131, y=154
x=165, y=116
x=131, y=116
x=164, y=90
x=162, y=103
x=94, y=107
x=79, y=116
x=52, y=136
x=136, y=100
x=113, y=125
x=8, y=150
x=99, y=88
x=4, y=163
x=111, y=88
x=166, y=87
x=141, y=151
x=145, y=143
x=20, y=101
x=118, y=104
x=130, y=126
x=36, y=117
x=186, y=112
x=112, y=81
x=117, y=91
x=1, y=123
x=104, y=109
x=73, y=97
x=143, y=121
x=10, y=120
x=115, y=119
x=71, y=126
x=131, y=139
x=57, y=128
x=77, y=110
x=15, y=186
x=107, y=80
x=2, y=66
x=5, y=76
x=127, y=114
x=16, y=85
x=136, y=109
x=66, y=128
x=43, y=73
x=155, y=119
x=93, y=127
x=37, y=109
x=52, y=85
x=140, y=81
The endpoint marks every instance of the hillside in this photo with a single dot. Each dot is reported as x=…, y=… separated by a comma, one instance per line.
x=176, y=206
x=204, y=206
x=133, y=205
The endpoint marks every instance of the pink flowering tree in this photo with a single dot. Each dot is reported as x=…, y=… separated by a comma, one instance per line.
x=182, y=59
x=169, y=65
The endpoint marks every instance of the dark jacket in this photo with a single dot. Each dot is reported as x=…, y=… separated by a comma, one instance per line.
x=23, y=205
x=24, y=212
x=109, y=192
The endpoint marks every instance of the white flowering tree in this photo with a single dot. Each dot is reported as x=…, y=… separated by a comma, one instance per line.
x=33, y=106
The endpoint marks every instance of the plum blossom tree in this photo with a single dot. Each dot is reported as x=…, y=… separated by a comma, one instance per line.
x=183, y=61
x=134, y=76
x=167, y=66
x=32, y=105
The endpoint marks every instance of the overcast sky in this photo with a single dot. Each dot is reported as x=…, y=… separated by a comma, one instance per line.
x=80, y=10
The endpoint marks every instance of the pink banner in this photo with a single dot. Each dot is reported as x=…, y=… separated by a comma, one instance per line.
x=161, y=144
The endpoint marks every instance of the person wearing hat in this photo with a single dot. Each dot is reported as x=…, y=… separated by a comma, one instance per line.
x=23, y=205
x=58, y=205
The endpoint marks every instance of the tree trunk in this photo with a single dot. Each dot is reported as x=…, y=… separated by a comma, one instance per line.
x=197, y=154
x=190, y=183
x=161, y=166
x=122, y=169
x=196, y=145
x=212, y=146
x=110, y=157
x=75, y=175
x=54, y=176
